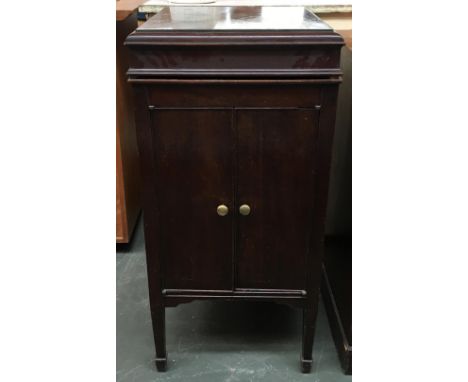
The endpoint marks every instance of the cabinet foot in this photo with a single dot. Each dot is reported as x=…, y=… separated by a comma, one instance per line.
x=308, y=329
x=159, y=331
x=306, y=365
x=161, y=364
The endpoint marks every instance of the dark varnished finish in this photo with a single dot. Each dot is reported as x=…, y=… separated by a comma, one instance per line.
x=158, y=316
x=337, y=263
x=235, y=18
x=276, y=155
x=194, y=159
x=234, y=94
x=235, y=116
x=308, y=331
x=308, y=47
x=236, y=61
x=249, y=61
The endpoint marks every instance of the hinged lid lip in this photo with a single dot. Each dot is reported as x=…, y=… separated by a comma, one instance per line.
x=241, y=53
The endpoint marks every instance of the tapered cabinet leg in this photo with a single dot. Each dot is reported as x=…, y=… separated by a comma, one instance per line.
x=308, y=331
x=159, y=332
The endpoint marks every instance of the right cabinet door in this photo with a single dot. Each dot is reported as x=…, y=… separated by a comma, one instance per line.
x=276, y=166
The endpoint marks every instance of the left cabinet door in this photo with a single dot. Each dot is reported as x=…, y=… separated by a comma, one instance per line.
x=193, y=164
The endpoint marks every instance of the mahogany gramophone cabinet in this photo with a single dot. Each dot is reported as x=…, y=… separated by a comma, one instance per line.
x=235, y=113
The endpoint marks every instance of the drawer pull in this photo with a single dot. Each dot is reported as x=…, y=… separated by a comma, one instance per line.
x=222, y=210
x=244, y=209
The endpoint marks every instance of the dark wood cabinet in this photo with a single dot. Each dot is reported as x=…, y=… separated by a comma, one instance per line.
x=235, y=122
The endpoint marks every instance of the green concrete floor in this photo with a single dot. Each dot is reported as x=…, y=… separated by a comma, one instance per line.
x=213, y=341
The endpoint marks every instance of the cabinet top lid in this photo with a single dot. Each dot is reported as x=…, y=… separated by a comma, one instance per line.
x=211, y=18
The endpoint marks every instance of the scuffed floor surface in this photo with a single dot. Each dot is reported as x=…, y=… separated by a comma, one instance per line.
x=213, y=341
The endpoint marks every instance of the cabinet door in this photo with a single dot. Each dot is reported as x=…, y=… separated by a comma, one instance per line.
x=276, y=151
x=193, y=162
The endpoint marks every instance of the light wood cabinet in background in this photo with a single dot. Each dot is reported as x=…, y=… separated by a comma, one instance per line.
x=128, y=176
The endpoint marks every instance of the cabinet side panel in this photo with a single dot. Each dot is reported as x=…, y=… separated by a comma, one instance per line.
x=323, y=159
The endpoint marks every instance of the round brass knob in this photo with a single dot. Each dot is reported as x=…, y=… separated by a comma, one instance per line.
x=222, y=210
x=244, y=209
